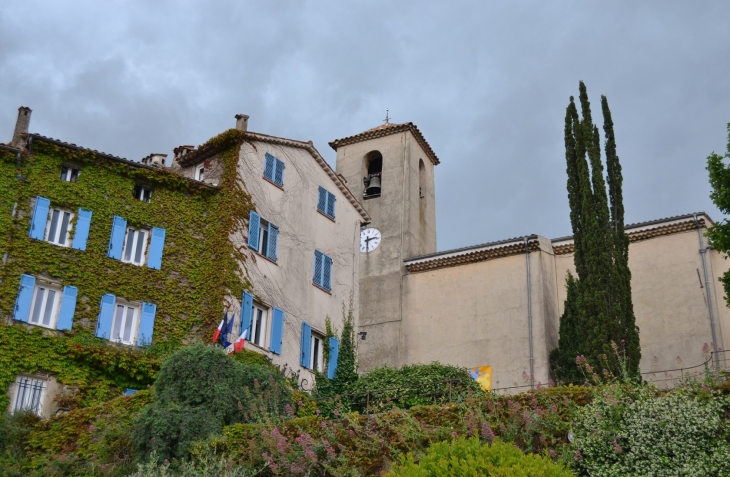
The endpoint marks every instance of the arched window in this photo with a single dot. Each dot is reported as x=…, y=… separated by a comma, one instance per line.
x=421, y=180
x=372, y=169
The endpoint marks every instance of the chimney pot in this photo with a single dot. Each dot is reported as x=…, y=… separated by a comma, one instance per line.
x=21, y=127
x=155, y=160
x=242, y=122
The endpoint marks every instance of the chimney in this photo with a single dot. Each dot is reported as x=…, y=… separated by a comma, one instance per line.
x=21, y=127
x=182, y=151
x=155, y=160
x=242, y=122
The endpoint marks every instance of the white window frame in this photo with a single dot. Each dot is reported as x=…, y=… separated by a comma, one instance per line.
x=134, y=245
x=57, y=239
x=140, y=193
x=257, y=327
x=200, y=172
x=119, y=324
x=33, y=402
x=40, y=292
x=263, y=237
x=68, y=175
x=316, y=360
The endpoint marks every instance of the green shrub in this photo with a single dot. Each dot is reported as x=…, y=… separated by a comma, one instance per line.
x=635, y=431
x=199, y=390
x=469, y=457
x=14, y=432
x=209, y=465
x=417, y=384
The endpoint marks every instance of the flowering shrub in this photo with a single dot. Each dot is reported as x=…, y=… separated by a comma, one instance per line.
x=634, y=431
x=468, y=457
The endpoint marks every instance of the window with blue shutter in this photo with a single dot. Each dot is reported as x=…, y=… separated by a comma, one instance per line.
x=157, y=243
x=106, y=315
x=81, y=235
x=25, y=295
x=277, y=331
x=326, y=202
x=318, y=265
x=306, y=344
x=146, y=324
x=40, y=217
x=254, y=222
x=274, y=170
x=327, y=273
x=68, y=307
x=334, y=353
x=246, y=309
x=273, y=242
x=116, y=241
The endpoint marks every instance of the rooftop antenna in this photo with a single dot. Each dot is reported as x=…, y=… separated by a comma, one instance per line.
x=387, y=119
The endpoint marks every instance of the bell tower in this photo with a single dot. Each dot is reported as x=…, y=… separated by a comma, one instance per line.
x=391, y=169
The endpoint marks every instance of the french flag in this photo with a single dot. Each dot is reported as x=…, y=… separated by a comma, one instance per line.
x=238, y=344
x=222, y=325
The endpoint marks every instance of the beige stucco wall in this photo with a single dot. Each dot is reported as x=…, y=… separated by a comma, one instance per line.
x=287, y=284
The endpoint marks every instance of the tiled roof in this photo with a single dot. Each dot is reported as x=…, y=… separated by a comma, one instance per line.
x=386, y=130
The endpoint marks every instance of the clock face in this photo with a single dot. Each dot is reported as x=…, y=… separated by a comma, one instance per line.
x=369, y=240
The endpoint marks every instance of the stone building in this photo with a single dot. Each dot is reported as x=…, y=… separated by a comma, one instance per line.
x=499, y=304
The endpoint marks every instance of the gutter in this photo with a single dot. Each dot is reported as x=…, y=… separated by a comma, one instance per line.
x=13, y=150
x=703, y=253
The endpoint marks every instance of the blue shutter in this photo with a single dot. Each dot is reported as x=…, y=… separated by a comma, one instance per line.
x=25, y=295
x=273, y=242
x=331, y=204
x=68, y=307
x=246, y=305
x=269, y=167
x=157, y=243
x=106, y=314
x=306, y=343
x=39, y=219
x=318, y=267
x=322, y=202
x=81, y=234
x=279, y=173
x=327, y=274
x=254, y=222
x=277, y=331
x=146, y=324
x=116, y=241
x=334, y=353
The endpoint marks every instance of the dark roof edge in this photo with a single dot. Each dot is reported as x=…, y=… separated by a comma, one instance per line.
x=395, y=129
x=647, y=223
x=472, y=247
x=9, y=149
x=114, y=158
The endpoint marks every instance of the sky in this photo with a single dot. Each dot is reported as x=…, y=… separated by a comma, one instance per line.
x=487, y=83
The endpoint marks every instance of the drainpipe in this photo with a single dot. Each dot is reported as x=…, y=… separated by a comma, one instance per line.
x=703, y=252
x=529, y=315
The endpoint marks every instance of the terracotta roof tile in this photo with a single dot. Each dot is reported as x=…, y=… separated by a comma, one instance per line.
x=386, y=130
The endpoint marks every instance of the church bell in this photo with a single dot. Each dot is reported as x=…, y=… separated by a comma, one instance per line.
x=373, y=186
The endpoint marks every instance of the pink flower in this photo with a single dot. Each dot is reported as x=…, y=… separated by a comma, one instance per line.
x=552, y=453
x=616, y=448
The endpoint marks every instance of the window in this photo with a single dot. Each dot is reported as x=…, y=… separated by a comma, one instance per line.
x=124, y=325
x=316, y=352
x=274, y=170
x=143, y=193
x=70, y=173
x=135, y=246
x=263, y=236
x=29, y=394
x=58, y=227
x=44, y=309
x=200, y=173
x=255, y=319
x=326, y=203
x=257, y=333
x=322, y=271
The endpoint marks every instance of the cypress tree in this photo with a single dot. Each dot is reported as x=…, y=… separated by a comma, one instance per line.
x=598, y=309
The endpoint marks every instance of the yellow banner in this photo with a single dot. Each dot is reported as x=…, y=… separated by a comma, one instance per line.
x=482, y=375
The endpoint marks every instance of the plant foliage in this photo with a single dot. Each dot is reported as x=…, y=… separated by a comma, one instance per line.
x=719, y=234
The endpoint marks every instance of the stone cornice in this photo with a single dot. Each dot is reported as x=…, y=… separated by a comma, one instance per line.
x=475, y=254
x=387, y=130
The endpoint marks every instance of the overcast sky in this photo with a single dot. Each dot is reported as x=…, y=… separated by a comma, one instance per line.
x=486, y=82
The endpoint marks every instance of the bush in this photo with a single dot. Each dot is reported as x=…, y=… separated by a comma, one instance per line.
x=199, y=390
x=469, y=457
x=417, y=384
x=14, y=432
x=204, y=467
x=633, y=430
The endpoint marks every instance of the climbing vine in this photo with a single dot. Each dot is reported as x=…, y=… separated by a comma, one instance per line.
x=200, y=267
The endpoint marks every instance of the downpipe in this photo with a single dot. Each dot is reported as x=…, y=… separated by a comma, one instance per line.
x=529, y=314
x=703, y=253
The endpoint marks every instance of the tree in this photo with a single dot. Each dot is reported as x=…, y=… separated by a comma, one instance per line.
x=346, y=371
x=600, y=309
x=719, y=234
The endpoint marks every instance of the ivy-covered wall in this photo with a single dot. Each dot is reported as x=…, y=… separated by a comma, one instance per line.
x=199, y=265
